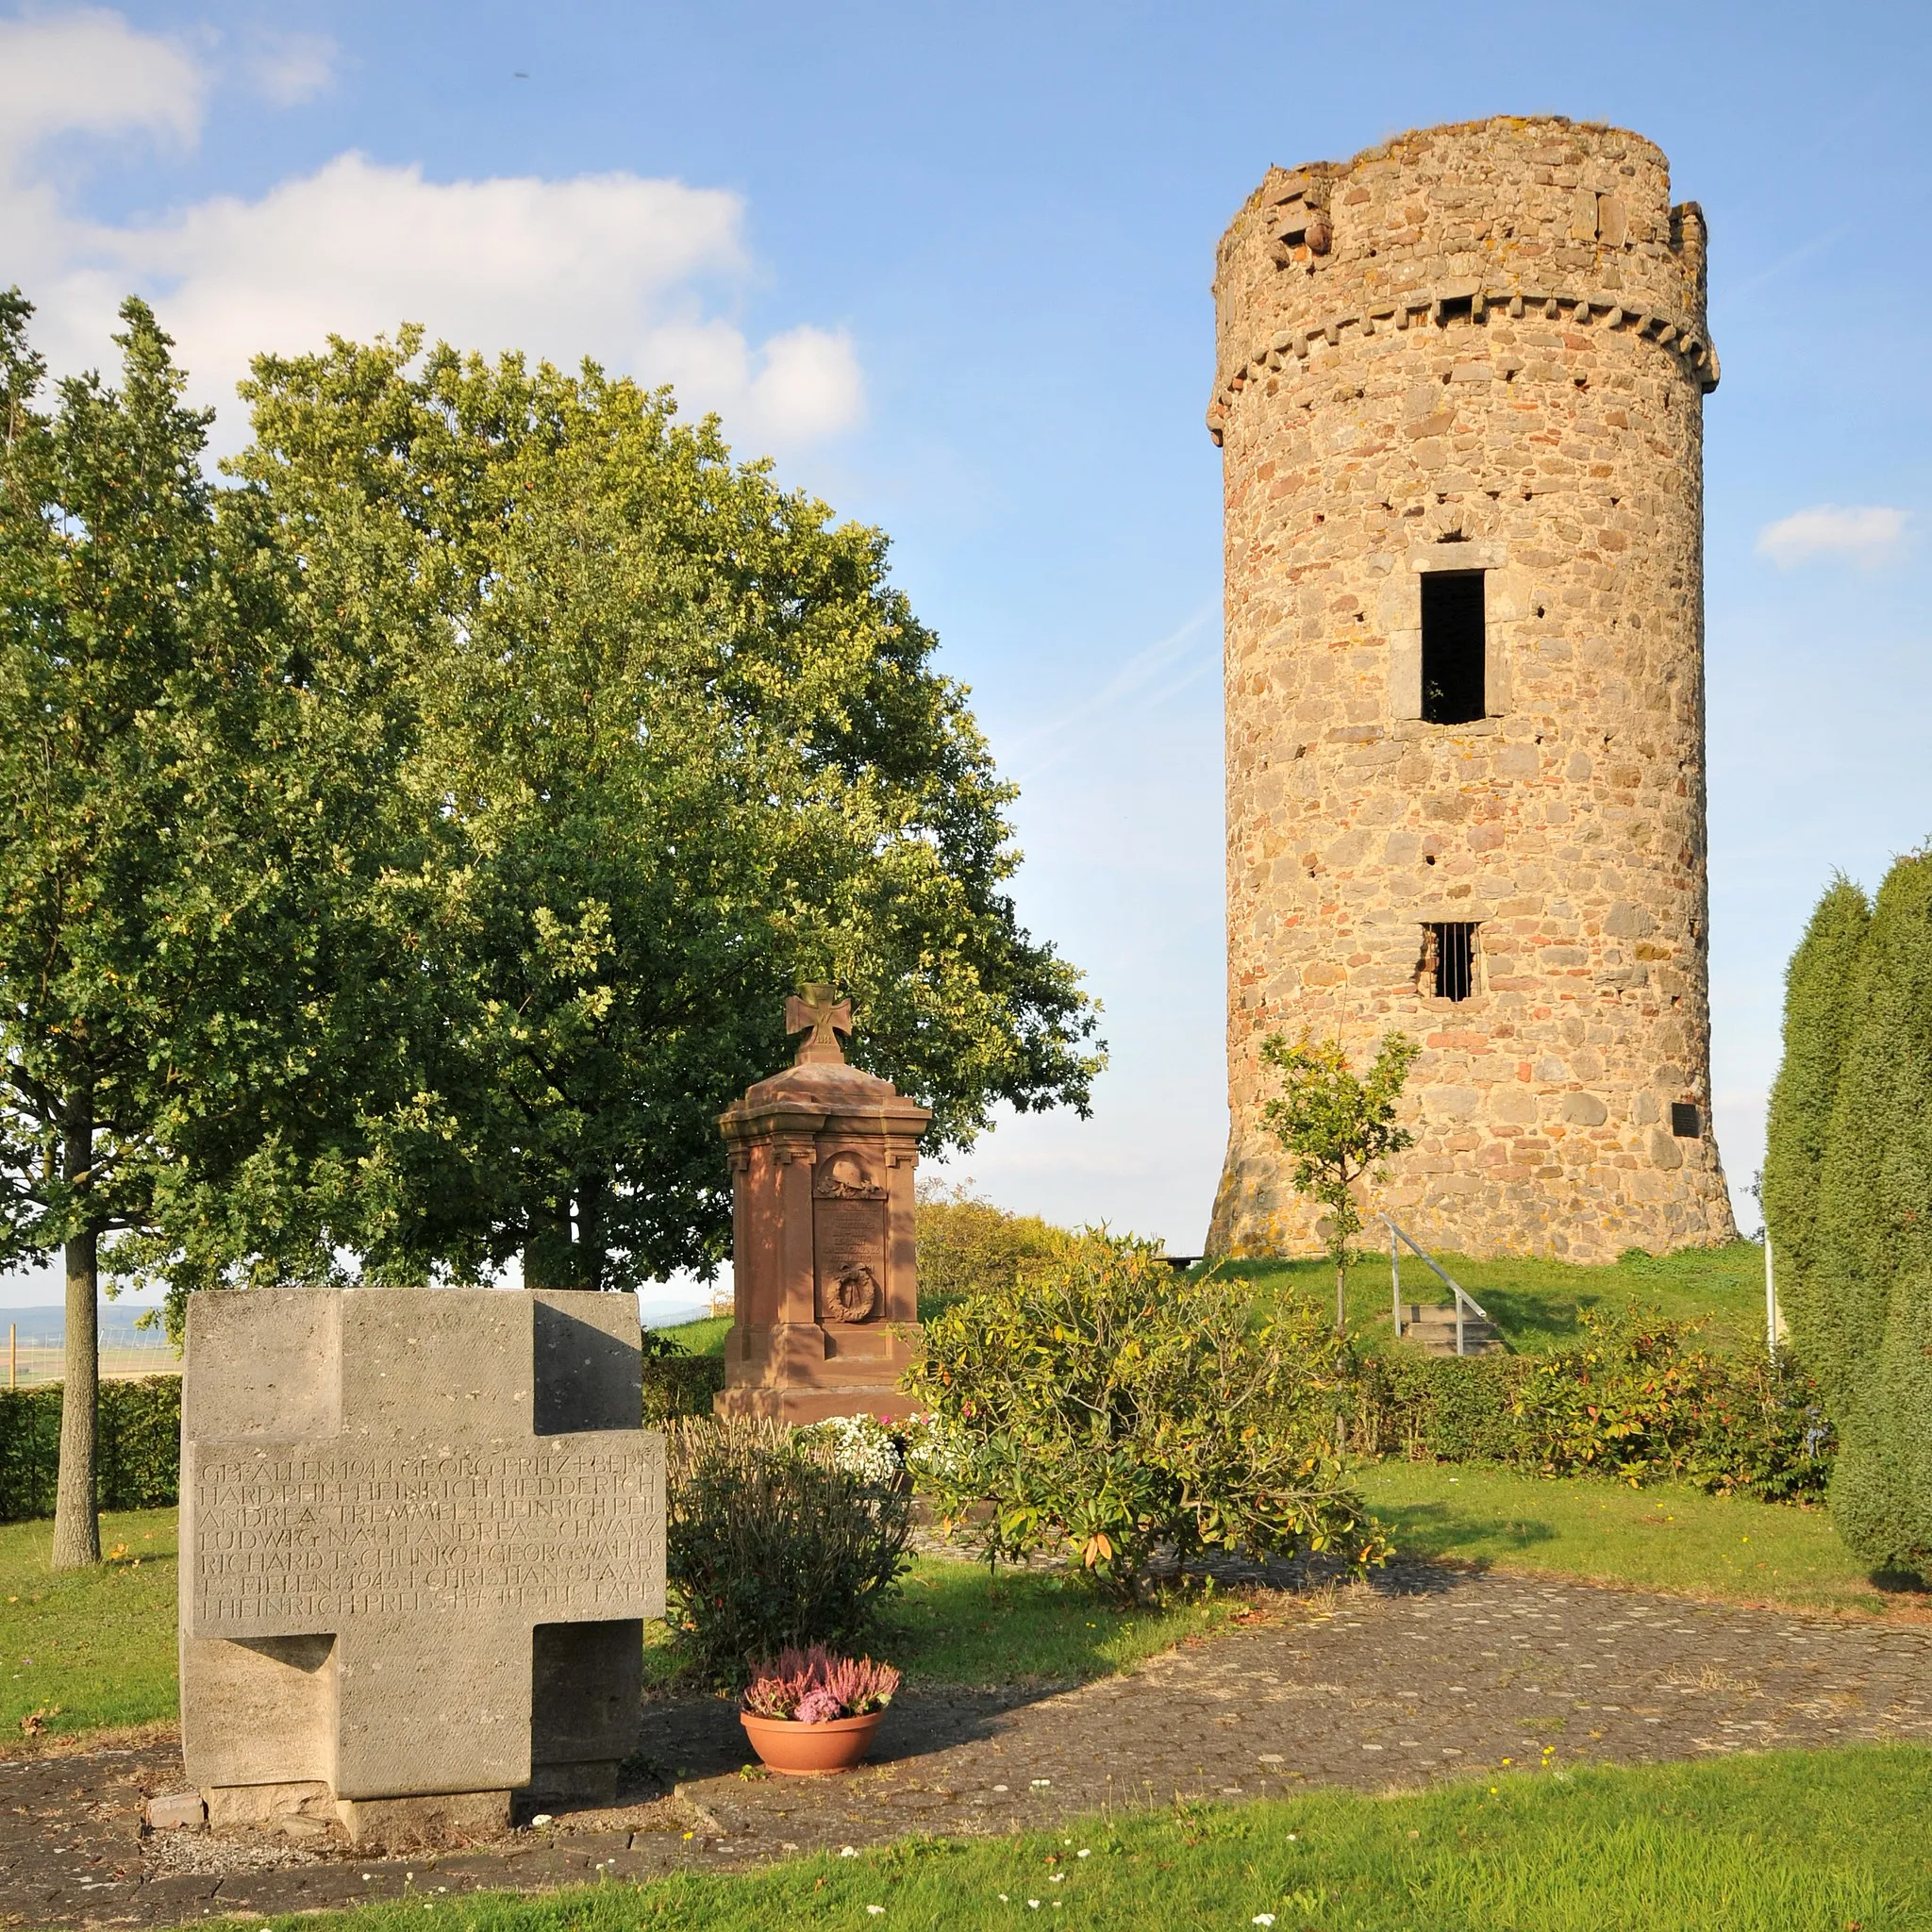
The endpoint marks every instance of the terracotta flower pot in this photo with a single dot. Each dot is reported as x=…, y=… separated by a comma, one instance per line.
x=799, y=1750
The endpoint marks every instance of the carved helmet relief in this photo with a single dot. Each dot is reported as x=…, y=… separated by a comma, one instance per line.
x=847, y=1178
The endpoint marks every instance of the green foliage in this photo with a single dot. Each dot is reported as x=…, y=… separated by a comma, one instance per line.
x=1637, y=1400
x=969, y=1246
x=770, y=1544
x=675, y=745
x=1819, y=1006
x=1338, y=1127
x=137, y=1464
x=677, y=1382
x=1101, y=1404
x=189, y=804
x=1869, y=1275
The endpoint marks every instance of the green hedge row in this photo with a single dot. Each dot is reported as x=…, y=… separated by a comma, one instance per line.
x=140, y=1446
x=677, y=1385
x=140, y=1452
x=1636, y=1400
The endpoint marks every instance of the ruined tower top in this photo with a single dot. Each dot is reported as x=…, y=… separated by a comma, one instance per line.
x=1458, y=386
x=1509, y=210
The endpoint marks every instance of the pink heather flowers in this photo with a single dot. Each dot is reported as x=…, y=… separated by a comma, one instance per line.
x=812, y=1687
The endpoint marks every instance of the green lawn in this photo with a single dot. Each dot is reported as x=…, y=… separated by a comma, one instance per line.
x=1536, y=1304
x=706, y=1336
x=955, y=1625
x=1783, y=1842
x=1666, y=1537
x=91, y=1647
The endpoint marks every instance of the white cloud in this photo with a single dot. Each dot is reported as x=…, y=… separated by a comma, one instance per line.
x=88, y=71
x=1868, y=534
x=612, y=266
x=288, y=69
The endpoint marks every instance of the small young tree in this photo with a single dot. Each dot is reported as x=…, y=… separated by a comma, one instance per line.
x=1339, y=1128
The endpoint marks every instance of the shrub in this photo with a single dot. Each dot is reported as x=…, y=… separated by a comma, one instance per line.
x=1104, y=1405
x=968, y=1246
x=1636, y=1401
x=677, y=1382
x=862, y=1445
x=770, y=1544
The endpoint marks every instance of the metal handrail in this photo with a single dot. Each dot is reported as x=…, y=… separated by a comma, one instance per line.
x=1462, y=1296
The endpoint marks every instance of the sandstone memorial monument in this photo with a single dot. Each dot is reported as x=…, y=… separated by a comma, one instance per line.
x=824, y=1257
x=1459, y=391
x=420, y=1531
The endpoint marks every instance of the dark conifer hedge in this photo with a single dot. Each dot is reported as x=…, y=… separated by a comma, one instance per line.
x=1848, y=1200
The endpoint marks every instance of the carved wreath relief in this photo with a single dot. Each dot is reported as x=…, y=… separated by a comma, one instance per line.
x=849, y=1237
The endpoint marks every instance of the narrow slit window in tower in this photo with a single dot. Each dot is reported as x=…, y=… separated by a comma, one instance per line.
x=1453, y=639
x=1686, y=1122
x=1449, y=958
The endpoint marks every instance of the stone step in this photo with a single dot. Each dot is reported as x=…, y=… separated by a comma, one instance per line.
x=1432, y=1328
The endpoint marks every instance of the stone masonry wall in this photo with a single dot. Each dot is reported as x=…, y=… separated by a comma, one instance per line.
x=1476, y=347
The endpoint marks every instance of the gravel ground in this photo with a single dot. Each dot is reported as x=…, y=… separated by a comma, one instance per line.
x=1424, y=1673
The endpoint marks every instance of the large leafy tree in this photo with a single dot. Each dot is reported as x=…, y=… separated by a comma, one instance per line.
x=176, y=1027
x=676, y=744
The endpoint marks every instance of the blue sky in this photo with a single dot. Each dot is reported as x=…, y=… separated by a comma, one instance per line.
x=950, y=267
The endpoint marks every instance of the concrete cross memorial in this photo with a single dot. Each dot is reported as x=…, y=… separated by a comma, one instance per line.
x=421, y=1529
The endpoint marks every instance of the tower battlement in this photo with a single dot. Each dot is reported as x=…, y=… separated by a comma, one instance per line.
x=1460, y=389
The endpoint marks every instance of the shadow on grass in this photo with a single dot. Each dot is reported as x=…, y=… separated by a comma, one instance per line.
x=1431, y=1531
x=1900, y=1583
x=690, y=1736
x=971, y=1647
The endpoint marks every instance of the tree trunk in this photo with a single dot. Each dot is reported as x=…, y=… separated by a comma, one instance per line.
x=76, y=1523
x=549, y=1255
x=1341, y=1280
x=591, y=1255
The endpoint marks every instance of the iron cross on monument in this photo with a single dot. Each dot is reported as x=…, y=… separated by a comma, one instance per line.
x=420, y=1530
x=827, y=1016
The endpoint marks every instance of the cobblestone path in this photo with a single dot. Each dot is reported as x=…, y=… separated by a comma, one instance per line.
x=1425, y=1674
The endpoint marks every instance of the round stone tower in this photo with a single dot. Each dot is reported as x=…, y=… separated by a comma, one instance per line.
x=1460, y=393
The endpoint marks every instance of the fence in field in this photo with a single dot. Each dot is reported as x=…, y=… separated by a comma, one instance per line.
x=33, y=1364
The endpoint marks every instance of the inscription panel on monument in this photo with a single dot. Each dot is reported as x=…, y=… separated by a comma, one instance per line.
x=291, y=1539
x=850, y=1240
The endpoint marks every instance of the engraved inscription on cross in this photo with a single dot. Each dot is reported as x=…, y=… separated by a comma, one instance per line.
x=827, y=1016
x=410, y=1474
